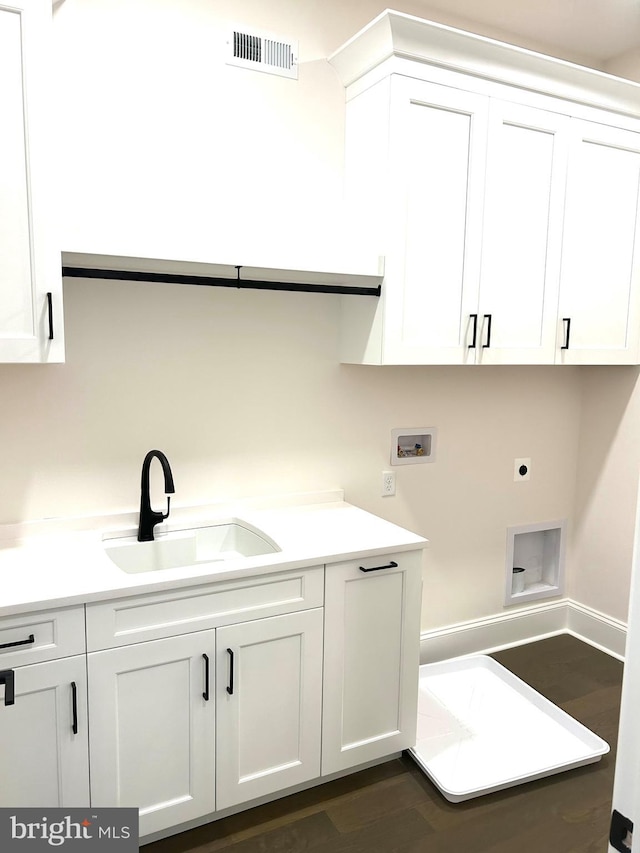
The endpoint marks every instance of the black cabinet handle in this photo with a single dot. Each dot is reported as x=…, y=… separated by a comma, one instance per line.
x=488, y=318
x=474, y=317
x=31, y=639
x=391, y=565
x=567, y=332
x=50, y=312
x=74, y=707
x=6, y=678
x=230, y=685
x=205, y=695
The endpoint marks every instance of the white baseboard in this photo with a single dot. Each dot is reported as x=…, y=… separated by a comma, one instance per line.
x=525, y=625
x=604, y=632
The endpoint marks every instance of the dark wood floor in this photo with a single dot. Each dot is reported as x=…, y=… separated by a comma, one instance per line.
x=393, y=808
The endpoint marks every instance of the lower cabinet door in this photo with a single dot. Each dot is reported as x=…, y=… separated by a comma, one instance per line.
x=269, y=696
x=153, y=729
x=371, y=659
x=44, y=750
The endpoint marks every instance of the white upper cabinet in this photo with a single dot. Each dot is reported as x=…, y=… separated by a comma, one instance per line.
x=30, y=273
x=436, y=174
x=599, y=295
x=521, y=239
x=502, y=188
x=415, y=163
x=473, y=217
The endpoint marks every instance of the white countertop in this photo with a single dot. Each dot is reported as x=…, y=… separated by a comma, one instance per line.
x=58, y=564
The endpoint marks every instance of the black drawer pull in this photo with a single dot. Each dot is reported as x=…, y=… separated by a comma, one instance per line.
x=205, y=695
x=391, y=565
x=6, y=678
x=50, y=312
x=74, y=707
x=31, y=639
x=230, y=686
x=566, y=320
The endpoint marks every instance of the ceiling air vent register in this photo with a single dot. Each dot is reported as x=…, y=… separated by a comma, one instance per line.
x=262, y=51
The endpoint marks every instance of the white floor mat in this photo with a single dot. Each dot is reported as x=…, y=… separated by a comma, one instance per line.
x=481, y=729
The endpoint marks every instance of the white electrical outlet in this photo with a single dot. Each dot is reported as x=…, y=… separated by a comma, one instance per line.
x=522, y=469
x=388, y=483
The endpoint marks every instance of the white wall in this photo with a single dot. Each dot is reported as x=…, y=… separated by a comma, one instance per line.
x=609, y=463
x=244, y=392
x=607, y=487
x=626, y=65
x=163, y=150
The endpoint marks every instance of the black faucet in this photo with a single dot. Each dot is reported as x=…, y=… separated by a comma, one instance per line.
x=148, y=517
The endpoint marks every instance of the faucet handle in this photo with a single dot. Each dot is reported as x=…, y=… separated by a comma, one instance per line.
x=166, y=515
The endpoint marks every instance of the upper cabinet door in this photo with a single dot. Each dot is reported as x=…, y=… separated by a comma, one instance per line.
x=30, y=272
x=524, y=200
x=599, y=319
x=436, y=173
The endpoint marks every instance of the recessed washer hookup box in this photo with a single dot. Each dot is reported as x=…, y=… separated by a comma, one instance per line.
x=413, y=444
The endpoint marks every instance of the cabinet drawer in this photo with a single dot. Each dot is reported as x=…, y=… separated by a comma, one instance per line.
x=41, y=636
x=167, y=614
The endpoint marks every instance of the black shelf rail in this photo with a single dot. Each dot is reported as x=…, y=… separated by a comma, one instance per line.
x=215, y=281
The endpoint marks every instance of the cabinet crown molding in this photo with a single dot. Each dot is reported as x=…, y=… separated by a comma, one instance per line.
x=397, y=34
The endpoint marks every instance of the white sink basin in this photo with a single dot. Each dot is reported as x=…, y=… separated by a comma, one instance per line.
x=229, y=540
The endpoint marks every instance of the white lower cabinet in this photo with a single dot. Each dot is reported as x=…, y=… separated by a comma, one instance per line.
x=269, y=697
x=44, y=759
x=44, y=735
x=284, y=680
x=371, y=659
x=153, y=729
